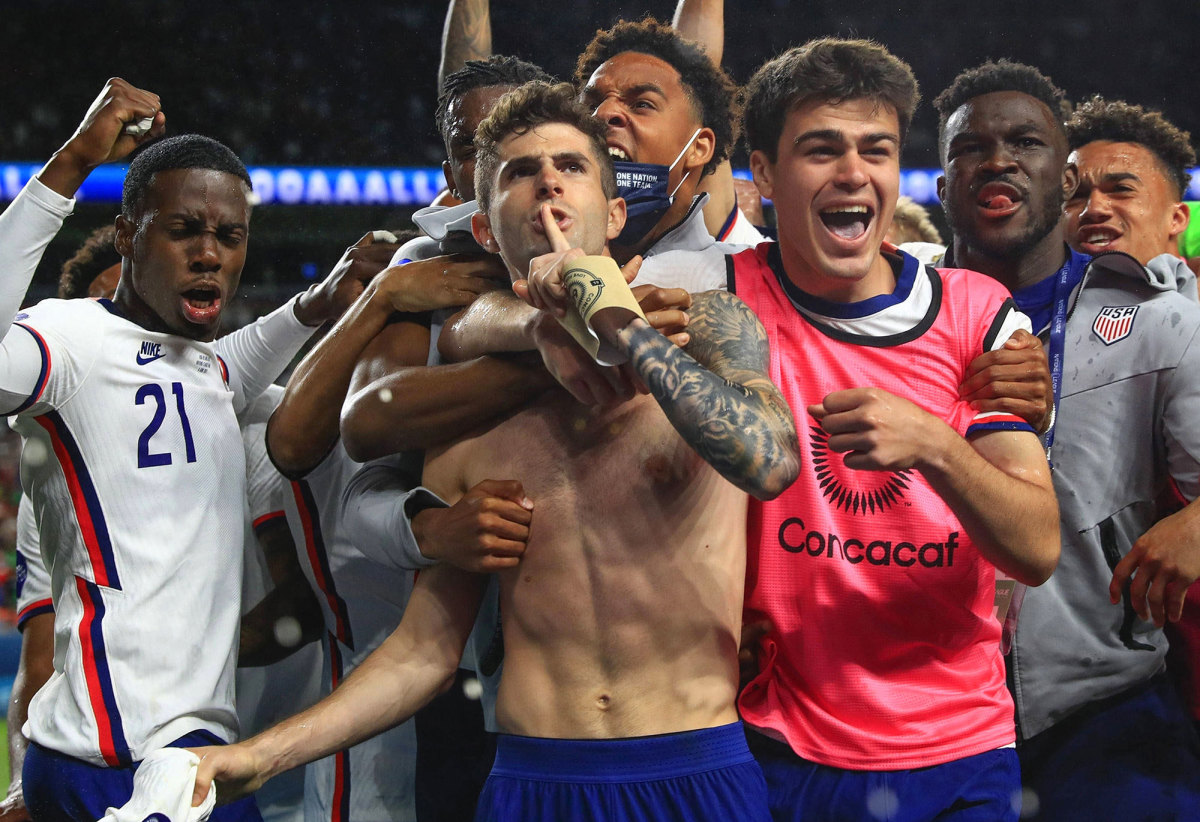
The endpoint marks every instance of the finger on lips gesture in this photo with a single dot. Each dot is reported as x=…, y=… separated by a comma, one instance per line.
x=543, y=288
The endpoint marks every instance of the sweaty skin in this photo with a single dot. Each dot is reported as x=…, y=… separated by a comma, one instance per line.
x=624, y=615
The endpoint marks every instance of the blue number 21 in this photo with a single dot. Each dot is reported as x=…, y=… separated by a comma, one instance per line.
x=145, y=458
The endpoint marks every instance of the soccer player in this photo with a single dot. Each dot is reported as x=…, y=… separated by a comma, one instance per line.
x=396, y=403
x=1101, y=733
x=620, y=631
x=881, y=686
x=132, y=457
x=1132, y=166
x=671, y=116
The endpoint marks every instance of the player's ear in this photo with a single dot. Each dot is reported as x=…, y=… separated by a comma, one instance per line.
x=123, y=241
x=1180, y=216
x=763, y=172
x=616, y=218
x=1070, y=180
x=481, y=227
x=941, y=189
x=701, y=150
x=447, y=173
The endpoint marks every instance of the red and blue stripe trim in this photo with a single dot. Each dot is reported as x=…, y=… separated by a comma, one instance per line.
x=92, y=525
x=318, y=558
x=109, y=728
x=43, y=376
x=727, y=229
x=998, y=421
x=35, y=608
x=267, y=519
x=340, y=806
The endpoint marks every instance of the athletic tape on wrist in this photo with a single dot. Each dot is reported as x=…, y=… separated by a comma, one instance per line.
x=596, y=283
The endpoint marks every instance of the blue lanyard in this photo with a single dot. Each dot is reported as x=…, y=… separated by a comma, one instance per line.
x=1058, y=337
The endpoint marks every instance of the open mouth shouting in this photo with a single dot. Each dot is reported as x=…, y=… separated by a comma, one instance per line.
x=201, y=303
x=618, y=153
x=847, y=222
x=999, y=200
x=1093, y=239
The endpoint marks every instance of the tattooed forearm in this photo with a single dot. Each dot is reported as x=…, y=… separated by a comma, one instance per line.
x=466, y=36
x=720, y=398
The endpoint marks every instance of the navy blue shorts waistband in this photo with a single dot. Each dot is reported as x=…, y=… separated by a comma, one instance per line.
x=635, y=759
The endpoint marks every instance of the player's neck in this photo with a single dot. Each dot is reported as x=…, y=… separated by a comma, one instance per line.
x=670, y=220
x=879, y=279
x=1015, y=272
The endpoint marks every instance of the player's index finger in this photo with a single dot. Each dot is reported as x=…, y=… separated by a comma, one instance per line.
x=557, y=241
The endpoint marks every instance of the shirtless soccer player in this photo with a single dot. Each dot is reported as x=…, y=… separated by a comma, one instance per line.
x=621, y=619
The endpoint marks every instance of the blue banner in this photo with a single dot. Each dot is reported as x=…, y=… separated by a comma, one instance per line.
x=358, y=186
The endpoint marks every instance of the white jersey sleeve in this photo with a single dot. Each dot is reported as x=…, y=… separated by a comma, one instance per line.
x=66, y=345
x=265, y=486
x=26, y=228
x=376, y=506
x=33, y=578
x=256, y=354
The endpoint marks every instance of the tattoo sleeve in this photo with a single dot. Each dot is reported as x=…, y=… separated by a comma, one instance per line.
x=466, y=36
x=718, y=395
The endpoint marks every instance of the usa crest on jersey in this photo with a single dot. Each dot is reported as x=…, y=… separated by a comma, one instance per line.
x=1114, y=323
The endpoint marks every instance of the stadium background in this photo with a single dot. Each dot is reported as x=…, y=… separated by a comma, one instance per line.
x=352, y=84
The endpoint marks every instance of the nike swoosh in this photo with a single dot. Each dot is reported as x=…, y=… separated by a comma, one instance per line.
x=147, y=360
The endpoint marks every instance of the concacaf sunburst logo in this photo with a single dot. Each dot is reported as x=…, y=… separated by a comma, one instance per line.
x=889, y=487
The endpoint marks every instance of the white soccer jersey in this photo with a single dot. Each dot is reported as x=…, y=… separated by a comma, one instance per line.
x=33, y=580
x=134, y=464
x=134, y=467
x=362, y=602
x=268, y=694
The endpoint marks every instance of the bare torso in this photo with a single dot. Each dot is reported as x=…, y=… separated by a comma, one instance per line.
x=623, y=617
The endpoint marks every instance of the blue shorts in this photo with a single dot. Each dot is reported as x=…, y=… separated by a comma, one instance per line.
x=694, y=776
x=1134, y=756
x=985, y=787
x=61, y=788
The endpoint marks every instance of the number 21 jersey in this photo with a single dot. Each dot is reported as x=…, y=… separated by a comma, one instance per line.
x=134, y=463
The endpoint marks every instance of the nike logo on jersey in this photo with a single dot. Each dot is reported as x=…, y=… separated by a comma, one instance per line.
x=150, y=352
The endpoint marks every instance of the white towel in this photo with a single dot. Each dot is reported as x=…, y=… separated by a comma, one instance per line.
x=162, y=791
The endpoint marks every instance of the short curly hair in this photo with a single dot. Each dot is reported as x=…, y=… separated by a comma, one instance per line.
x=1001, y=75
x=1121, y=122
x=829, y=69
x=182, y=151
x=525, y=108
x=497, y=70
x=710, y=90
x=97, y=254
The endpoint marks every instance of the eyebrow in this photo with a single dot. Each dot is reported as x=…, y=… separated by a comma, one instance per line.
x=557, y=157
x=1018, y=130
x=591, y=92
x=836, y=136
x=1120, y=177
x=192, y=218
